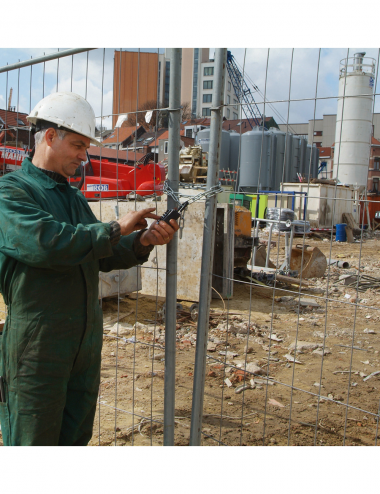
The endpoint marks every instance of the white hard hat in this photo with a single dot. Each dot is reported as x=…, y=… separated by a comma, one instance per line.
x=69, y=111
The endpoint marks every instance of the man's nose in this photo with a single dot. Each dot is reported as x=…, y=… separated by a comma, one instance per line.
x=82, y=156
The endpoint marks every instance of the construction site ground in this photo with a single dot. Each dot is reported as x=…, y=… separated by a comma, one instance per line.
x=303, y=403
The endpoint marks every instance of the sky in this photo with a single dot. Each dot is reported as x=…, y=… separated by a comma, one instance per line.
x=279, y=25
x=271, y=70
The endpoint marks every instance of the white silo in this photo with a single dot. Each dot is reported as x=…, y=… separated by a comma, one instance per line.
x=353, y=134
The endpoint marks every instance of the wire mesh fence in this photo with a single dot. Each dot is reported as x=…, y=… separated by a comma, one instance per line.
x=285, y=351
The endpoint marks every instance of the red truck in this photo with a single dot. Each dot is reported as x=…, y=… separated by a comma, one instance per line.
x=102, y=179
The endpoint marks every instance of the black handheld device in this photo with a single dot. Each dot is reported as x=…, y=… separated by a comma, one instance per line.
x=173, y=214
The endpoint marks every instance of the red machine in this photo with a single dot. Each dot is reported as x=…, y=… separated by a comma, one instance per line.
x=103, y=179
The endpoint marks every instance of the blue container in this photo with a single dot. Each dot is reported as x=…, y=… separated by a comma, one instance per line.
x=340, y=235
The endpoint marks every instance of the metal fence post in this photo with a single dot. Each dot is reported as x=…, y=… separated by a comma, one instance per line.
x=172, y=247
x=208, y=246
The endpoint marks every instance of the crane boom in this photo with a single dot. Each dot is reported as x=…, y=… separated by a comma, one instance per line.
x=243, y=93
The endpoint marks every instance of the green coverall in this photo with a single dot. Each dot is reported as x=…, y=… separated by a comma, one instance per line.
x=52, y=248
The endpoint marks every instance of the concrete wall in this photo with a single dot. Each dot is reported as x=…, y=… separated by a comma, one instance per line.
x=189, y=249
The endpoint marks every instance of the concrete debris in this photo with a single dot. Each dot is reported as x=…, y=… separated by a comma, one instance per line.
x=319, y=334
x=228, y=382
x=233, y=327
x=369, y=331
x=140, y=327
x=255, y=369
x=321, y=352
x=275, y=338
x=211, y=347
x=303, y=345
x=304, y=302
x=252, y=383
x=121, y=329
x=158, y=356
x=286, y=299
x=228, y=354
x=241, y=388
x=371, y=375
x=262, y=381
x=275, y=403
x=292, y=359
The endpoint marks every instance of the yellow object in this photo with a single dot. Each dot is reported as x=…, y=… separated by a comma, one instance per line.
x=263, y=204
x=242, y=221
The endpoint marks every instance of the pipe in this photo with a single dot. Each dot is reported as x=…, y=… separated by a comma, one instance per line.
x=208, y=247
x=255, y=248
x=286, y=262
x=269, y=241
x=339, y=264
x=45, y=58
x=291, y=244
x=172, y=247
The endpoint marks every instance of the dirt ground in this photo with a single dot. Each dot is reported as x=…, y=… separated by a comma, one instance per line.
x=297, y=416
x=302, y=404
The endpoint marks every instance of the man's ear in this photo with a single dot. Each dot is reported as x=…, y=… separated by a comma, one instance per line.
x=49, y=136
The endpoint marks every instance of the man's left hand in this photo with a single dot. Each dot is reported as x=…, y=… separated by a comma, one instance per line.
x=159, y=233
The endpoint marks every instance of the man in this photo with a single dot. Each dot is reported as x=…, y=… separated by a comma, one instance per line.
x=51, y=251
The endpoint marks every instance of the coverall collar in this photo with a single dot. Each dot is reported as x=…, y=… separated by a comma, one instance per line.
x=38, y=175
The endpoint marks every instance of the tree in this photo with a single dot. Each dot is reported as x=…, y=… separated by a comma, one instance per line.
x=139, y=117
x=186, y=111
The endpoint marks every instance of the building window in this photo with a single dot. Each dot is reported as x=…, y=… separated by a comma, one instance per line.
x=208, y=71
x=206, y=112
x=207, y=84
x=376, y=184
x=228, y=99
x=376, y=164
x=228, y=86
x=235, y=104
x=189, y=133
x=235, y=116
x=195, y=83
x=228, y=113
x=167, y=83
x=166, y=147
x=318, y=133
x=207, y=98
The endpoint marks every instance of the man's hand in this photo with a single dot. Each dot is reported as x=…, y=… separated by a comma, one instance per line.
x=159, y=233
x=135, y=220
